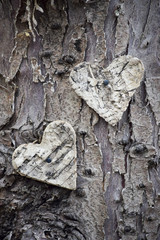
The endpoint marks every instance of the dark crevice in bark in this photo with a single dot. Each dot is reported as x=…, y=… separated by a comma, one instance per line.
x=91, y=119
x=113, y=204
x=140, y=220
x=128, y=44
x=67, y=11
x=67, y=26
x=115, y=180
x=123, y=180
x=91, y=43
x=158, y=233
x=146, y=103
x=143, y=92
x=130, y=124
x=126, y=53
x=101, y=133
x=13, y=118
x=155, y=127
x=147, y=16
x=16, y=7
x=131, y=37
x=125, y=162
x=82, y=105
x=110, y=31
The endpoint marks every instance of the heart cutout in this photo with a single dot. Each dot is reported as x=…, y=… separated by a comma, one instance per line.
x=108, y=91
x=52, y=161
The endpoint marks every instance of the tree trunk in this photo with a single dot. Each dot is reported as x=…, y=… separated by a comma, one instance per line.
x=118, y=184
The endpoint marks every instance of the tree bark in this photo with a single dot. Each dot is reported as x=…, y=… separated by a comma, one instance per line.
x=118, y=190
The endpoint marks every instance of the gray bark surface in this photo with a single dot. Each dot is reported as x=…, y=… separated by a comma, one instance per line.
x=118, y=167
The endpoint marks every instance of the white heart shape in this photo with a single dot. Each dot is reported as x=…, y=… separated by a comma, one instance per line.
x=124, y=75
x=52, y=161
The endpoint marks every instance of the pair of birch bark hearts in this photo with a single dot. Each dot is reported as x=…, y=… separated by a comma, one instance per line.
x=108, y=91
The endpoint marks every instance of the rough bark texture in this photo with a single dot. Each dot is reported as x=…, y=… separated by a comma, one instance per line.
x=118, y=167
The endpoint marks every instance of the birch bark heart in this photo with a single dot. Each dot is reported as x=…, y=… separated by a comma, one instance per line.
x=52, y=161
x=109, y=101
